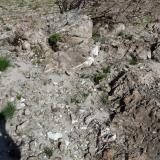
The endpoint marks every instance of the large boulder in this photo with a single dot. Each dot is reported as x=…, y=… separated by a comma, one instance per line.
x=72, y=23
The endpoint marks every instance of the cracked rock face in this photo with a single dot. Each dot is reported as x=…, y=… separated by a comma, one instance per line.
x=156, y=53
x=66, y=109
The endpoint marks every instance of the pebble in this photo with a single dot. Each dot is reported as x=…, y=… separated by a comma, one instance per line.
x=20, y=105
x=26, y=46
x=54, y=136
x=12, y=99
x=95, y=51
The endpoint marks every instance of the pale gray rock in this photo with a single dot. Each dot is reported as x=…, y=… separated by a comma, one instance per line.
x=26, y=46
x=119, y=28
x=72, y=23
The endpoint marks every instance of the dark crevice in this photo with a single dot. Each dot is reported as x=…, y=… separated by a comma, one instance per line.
x=153, y=47
x=98, y=136
x=141, y=150
x=122, y=105
x=126, y=156
x=112, y=115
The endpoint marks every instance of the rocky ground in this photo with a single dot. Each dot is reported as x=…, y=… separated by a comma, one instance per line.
x=73, y=104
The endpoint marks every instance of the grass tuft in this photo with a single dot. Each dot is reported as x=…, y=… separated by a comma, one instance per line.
x=48, y=152
x=100, y=75
x=18, y=96
x=54, y=38
x=79, y=98
x=4, y=63
x=133, y=61
x=8, y=110
x=96, y=36
x=104, y=99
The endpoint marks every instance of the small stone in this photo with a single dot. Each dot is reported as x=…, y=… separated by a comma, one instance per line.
x=26, y=46
x=95, y=50
x=20, y=105
x=12, y=99
x=54, y=136
x=67, y=142
x=89, y=61
x=22, y=126
x=22, y=100
x=119, y=28
x=49, y=68
x=27, y=112
x=144, y=55
x=74, y=121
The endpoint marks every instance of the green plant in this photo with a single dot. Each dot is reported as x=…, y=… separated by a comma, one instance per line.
x=54, y=38
x=48, y=152
x=79, y=98
x=8, y=110
x=100, y=75
x=125, y=35
x=4, y=63
x=104, y=99
x=133, y=61
x=96, y=36
x=36, y=62
x=18, y=96
x=107, y=69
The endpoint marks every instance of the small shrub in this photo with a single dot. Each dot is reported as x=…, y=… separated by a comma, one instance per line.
x=53, y=39
x=48, y=152
x=36, y=62
x=8, y=111
x=106, y=70
x=125, y=35
x=104, y=99
x=96, y=36
x=18, y=96
x=79, y=98
x=67, y=5
x=133, y=61
x=100, y=75
x=4, y=63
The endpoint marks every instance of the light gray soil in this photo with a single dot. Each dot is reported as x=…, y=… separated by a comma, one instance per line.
x=109, y=110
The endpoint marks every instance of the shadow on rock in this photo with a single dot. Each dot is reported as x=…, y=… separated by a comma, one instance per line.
x=8, y=149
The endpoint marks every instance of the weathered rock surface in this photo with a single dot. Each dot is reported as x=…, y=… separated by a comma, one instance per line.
x=106, y=109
